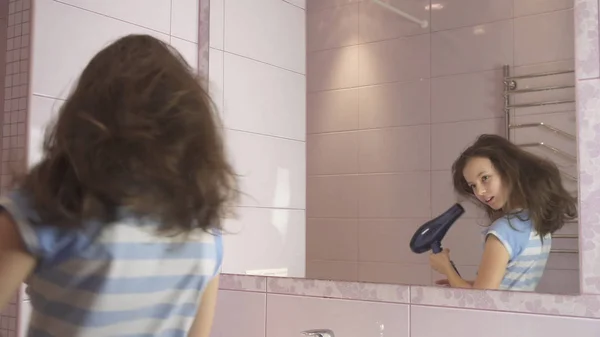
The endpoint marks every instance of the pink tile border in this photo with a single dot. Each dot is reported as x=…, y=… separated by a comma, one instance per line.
x=510, y=301
x=585, y=305
x=588, y=120
x=337, y=289
x=243, y=283
x=587, y=45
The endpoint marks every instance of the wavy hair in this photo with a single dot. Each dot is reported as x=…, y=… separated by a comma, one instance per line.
x=138, y=132
x=533, y=183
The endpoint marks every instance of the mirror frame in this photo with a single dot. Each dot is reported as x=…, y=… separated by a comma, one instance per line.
x=586, y=304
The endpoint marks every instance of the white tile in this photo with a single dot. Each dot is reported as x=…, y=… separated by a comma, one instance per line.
x=215, y=78
x=54, y=41
x=283, y=229
x=289, y=315
x=272, y=170
x=184, y=19
x=188, y=50
x=264, y=99
x=451, y=322
x=138, y=12
x=216, y=32
x=42, y=111
x=270, y=31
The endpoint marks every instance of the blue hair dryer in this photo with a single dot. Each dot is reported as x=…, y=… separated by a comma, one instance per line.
x=429, y=236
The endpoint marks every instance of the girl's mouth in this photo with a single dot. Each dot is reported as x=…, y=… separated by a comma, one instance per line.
x=489, y=200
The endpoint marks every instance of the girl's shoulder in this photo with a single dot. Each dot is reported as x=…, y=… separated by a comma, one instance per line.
x=513, y=231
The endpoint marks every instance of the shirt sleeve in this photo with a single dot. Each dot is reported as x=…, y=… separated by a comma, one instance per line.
x=514, y=235
x=219, y=254
x=42, y=241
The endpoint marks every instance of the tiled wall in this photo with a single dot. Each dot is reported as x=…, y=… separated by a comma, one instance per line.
x=271, y=307
x=14, y=78
x=67, y=34
x=257, y=79
x=391, y=105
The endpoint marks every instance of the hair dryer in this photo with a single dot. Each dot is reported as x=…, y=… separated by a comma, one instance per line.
x=430, y=235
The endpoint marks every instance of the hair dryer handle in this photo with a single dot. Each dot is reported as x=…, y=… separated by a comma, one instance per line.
x=436, y=247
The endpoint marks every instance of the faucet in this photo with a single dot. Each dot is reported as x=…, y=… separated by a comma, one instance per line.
x=319, y=333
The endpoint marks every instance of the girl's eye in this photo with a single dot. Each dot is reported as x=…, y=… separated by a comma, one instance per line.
x=485, y=178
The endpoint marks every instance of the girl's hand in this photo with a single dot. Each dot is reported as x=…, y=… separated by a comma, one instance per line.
x=440, y=262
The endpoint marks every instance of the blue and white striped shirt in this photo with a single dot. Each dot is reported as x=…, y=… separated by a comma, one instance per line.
x=528, y=254
x=119, y=279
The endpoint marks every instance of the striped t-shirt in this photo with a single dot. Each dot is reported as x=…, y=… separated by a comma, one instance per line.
x=528, y=254
x=119, y=279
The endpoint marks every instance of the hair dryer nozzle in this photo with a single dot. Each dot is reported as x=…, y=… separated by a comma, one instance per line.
x=429, y=236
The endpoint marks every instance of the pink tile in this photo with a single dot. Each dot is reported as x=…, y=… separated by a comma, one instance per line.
x=290, y=315
x=394, y=195
x=451, y=322
x=560, y=282
x=332, y=153
x=467, y=97
x=466, y=272
x=332, y=27
x=332, y=270
x=396, y=104
x=243, y=282
x=544, y=38
x=465, y=241
x=332, y=197
x=448, y=14
x=387, y=240
x=334, y=110
x=332, y=69
x=319, y=4
x=394, y=149
x=547, y=81
x=443, y=196
x=240, y=313
x=529, y=7
x=563, y=262
x=339, y=289
x=322, y=233
x=394, y=273
x=404, y=59
x=448, y=140
x=452, y=50
x=378, y=23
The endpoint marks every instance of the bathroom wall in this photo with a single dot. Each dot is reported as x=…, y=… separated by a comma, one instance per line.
x=257, y=79
x=14, y=56
x=280, y=307
x=391, y=105
x=67, y=34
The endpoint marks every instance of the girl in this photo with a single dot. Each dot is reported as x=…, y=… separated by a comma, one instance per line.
x=525, y=201
x=117, y=230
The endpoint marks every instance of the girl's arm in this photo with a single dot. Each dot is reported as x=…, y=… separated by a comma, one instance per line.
x=206, y=312
x=15, y=262
x=491, y=269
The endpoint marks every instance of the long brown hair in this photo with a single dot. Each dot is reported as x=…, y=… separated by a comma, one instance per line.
x=139, y=133
x=533, y=183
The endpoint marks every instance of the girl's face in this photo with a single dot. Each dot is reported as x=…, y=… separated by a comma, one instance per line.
x=485, y=181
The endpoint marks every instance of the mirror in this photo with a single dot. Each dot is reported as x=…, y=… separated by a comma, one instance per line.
x=389, y=106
